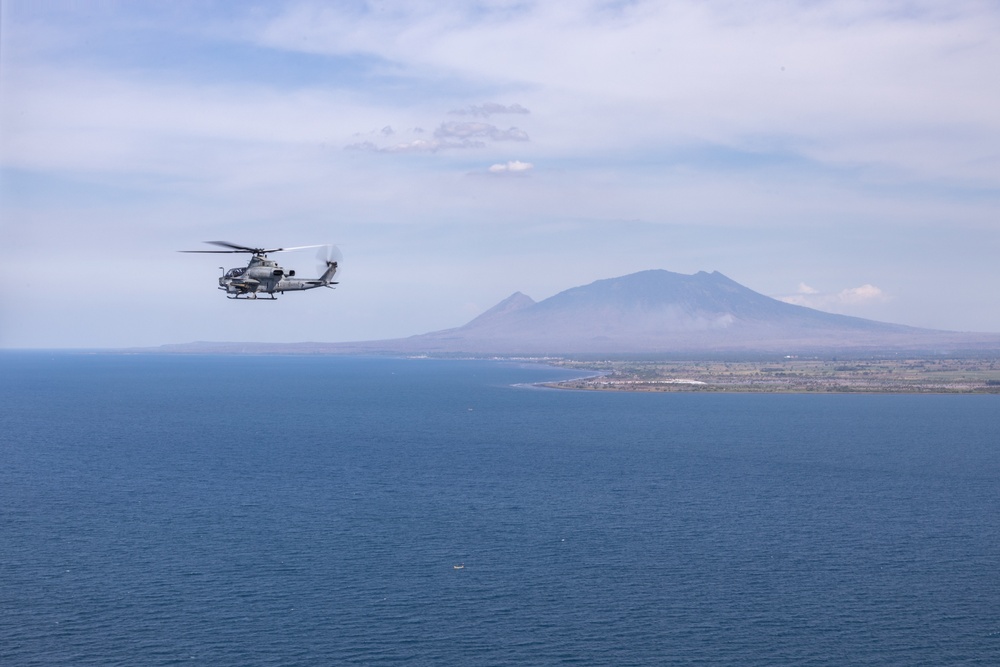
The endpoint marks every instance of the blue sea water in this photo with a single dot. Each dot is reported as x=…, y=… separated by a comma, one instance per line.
x=165, y=510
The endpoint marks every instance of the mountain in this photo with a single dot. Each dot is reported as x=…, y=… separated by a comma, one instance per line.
x=660, y=313
x=663, y=312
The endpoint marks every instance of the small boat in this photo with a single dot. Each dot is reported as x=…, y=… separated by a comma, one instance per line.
x=460, y=566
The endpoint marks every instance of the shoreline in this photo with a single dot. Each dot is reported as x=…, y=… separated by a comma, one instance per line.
x=789, y=376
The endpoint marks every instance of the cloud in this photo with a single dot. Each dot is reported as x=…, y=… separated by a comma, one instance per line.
x=882, y=90
x=465, y=130
x=863, y=294
x=835, y=301
x=488, y=109
x=453, y=135
x=416, y=146
x=512, y=167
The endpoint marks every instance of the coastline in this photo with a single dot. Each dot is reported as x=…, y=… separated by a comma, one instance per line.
x=789, y=376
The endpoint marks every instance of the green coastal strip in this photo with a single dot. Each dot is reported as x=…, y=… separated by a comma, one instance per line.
x=793, y=375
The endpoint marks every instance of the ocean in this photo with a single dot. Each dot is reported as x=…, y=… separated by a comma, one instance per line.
x=231, y=510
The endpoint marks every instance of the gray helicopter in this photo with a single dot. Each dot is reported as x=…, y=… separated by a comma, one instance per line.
x=263, y=275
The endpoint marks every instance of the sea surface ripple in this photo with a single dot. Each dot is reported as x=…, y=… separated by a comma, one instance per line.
x=159, y=510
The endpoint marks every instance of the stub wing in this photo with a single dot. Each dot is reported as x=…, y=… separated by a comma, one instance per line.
x=242, y=286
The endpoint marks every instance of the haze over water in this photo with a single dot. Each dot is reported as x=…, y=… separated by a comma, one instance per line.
x=162, y=510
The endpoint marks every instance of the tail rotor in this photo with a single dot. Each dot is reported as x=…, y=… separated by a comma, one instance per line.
x=330, y=258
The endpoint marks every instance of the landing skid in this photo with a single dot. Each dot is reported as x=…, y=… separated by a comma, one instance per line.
x=250, y=296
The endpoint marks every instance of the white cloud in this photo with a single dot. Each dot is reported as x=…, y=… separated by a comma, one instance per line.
x=838, y=302
x=512, y=167
x=862, y=295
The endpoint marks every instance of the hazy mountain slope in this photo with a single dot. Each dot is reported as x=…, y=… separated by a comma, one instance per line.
x=660, y=311
x=515, y=302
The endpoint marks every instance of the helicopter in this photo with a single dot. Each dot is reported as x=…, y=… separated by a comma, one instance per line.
x=263, y=276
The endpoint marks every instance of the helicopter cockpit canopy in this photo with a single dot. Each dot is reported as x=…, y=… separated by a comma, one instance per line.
x=235, y=273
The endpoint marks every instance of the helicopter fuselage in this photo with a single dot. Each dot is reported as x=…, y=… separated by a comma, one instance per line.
x=263, y=275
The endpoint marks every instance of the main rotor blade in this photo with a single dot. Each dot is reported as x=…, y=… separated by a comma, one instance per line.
x=235, y=247
x=243, y=249
x=226, y=244
x=298, y=247
x=216, y=252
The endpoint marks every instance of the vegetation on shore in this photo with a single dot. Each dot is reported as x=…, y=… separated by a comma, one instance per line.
x=792, y=375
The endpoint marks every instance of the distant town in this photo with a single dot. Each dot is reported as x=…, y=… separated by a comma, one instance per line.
x=790, y=375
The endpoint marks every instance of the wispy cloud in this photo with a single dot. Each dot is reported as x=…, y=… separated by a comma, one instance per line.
x=841, y=301
x=489, y=109
x=451, y=135
x=416, y=146
x=467, y=130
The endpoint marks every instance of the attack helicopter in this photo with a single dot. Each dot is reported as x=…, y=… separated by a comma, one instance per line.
x=263, y=276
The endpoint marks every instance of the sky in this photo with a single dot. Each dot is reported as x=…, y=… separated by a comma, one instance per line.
x=842, y=155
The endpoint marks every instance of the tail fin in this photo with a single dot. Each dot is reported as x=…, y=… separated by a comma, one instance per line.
x=331, y=271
